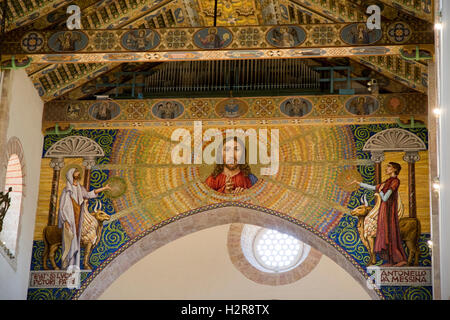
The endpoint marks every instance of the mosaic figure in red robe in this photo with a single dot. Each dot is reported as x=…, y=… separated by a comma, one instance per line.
x=388, y=243
x=233, y=174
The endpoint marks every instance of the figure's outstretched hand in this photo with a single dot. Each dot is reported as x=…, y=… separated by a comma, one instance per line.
x=107, y=187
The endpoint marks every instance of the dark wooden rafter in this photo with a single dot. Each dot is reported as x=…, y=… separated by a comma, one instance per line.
x=87, y=86
x=94, y=48
x=421, y=9
x=195, y=19
x=397, y=69
x=56, y=19
x=385, y=83
x=84, y=89
x=56, y=111
x=22, y=12
x=407, y=72
x=90, y=88
x=300, y=14
x=54, y=81
x=110, y=14
x=336, y=10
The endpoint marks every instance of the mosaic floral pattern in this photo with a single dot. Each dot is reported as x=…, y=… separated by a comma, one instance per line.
x=32, y=42
x=399, y=32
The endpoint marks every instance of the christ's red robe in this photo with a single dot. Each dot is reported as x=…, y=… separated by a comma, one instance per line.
x=388, y=242
x=218, y=183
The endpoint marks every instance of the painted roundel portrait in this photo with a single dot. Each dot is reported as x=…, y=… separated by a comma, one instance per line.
x=286, y=36
x=140, y=40
x=167, y=109
x=73, y=111
x=362, y=105
x=296, y=107
x=358, y=33
x=231, y=108
x=68, y=41
x=213, y=38
x=231, y=172
x=104, y=110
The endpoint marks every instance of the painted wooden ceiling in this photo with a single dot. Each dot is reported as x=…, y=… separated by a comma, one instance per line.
x=73, y=80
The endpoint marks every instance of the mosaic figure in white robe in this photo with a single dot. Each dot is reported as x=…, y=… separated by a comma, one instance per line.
x=72, y=204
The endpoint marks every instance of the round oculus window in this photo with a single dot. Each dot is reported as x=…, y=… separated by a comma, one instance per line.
x=276, y=251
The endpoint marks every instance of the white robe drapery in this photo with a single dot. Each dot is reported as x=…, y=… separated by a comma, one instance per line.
x=70, y=239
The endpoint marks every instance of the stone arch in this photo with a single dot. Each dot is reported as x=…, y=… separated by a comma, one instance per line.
x=224, y=213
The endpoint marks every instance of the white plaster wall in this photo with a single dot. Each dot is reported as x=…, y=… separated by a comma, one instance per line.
x=197, y=266
x=444, y=152
x=25, y=118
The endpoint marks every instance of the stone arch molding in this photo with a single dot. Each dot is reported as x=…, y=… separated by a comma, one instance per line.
x=75, y=147
x=204, y=218
x=394, y=140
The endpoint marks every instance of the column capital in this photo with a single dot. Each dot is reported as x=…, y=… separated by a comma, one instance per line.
x=377, y=156
x=411, y=156
x=89, y=163
x=57, y=163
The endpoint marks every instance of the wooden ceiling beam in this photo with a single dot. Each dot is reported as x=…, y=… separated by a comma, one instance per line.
x=339, y=39
x=119, y=13
x=20, y=13
x=135, y=112
x=421, y=9
x=90, y=88
x=57, y=18
x=406, y=72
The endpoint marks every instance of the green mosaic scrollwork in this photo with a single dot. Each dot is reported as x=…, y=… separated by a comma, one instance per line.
x=346, y=235
x=113, y=237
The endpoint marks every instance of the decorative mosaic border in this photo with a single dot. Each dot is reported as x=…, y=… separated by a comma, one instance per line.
x=251, y=42
x=333, y=109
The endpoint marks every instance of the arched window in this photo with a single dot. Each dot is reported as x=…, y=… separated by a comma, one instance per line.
x=14, y=179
